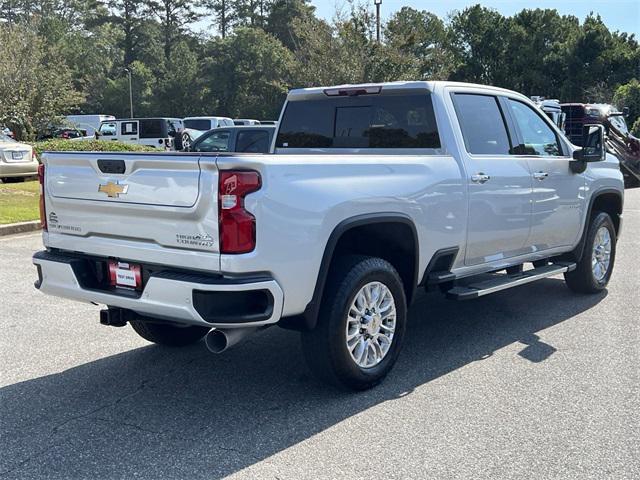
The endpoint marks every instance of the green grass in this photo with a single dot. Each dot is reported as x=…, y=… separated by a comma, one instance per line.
x=19, y=202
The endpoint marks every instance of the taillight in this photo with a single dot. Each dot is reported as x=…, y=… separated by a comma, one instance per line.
x=43, y=212
x=237, y=226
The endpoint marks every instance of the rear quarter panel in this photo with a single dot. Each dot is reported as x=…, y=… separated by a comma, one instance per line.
x=304, y=198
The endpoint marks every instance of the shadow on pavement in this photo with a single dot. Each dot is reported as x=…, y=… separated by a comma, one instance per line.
x=154, y=412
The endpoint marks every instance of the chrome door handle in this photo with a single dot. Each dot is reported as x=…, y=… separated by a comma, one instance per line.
x=480, y=178
x=540, y=175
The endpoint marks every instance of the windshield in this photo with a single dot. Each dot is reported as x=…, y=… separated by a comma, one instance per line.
x=108, y=129
x=5, y=138
x=198, y=124
x=619, y=123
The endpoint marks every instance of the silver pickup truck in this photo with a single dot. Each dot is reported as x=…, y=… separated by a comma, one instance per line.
x=371, y=192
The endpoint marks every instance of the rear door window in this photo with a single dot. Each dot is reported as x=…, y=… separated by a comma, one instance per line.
x=153, y=128
x=198, y=124
x=366, y=121
x=129, y=128
x=482, y=124
x=252, y=141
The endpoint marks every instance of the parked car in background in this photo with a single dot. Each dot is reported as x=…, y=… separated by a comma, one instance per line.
x=248, y=139
x=17, y=160
x=551, y=107
x=154, y=132
x=268, y=122
x=65, y=133
x=88, y=123
x=196, y=126
x=7, y=132
x=245, y=121
x=619, y=140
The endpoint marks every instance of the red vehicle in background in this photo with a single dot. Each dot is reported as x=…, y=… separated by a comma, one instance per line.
x=619, y=140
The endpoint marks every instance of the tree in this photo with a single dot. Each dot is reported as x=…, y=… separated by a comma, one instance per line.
x=222, y=13
x=176, y=91
x=174, y=16
x=635, y=129
x=251, y=12
x=115, y=94
x=419, y=37
x=246, y=74
x=283, y=15
x=538, y=41
x=476, y=40
x=628, y=95
x=129, y=16
x=35, y=82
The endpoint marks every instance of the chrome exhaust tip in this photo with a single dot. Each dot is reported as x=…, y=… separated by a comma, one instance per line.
x=220, y=340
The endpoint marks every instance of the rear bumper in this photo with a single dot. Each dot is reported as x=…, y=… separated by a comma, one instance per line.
x=18, y=169
x=191, y=299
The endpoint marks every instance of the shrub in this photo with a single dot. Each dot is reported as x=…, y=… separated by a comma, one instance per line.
x=63, y=145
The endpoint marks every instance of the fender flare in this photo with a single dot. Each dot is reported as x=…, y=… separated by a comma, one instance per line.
x=578, y=251
x=308, y=319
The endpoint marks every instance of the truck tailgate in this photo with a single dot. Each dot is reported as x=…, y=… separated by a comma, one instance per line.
x=146, y=207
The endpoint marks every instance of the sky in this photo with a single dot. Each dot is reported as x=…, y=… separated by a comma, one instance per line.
x=622, y=15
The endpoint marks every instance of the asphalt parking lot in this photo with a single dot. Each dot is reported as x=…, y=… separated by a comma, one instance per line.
x=534, y=382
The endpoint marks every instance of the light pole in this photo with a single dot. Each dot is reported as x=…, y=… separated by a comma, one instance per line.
x=377, y=4
x=130, y=92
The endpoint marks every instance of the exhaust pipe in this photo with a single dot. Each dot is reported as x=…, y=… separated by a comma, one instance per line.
x=219, y=340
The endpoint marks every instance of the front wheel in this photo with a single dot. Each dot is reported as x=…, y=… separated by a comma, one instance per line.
x=594, y=268
x=361, y=324
x=168, y=335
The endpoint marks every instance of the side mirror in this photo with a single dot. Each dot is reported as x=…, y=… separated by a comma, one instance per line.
x=593, y=146
x=625, y=112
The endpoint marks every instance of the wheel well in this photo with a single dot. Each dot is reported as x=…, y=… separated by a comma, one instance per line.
x=610, y=203
x=393, y=241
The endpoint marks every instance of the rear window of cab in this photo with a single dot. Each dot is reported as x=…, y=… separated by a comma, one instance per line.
x=359, y=122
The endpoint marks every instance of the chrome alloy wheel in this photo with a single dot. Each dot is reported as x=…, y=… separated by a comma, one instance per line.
x=601, y=256
x=371, y=324
x=186, y=141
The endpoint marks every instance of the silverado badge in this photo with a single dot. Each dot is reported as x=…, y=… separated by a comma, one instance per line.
x=113, y=190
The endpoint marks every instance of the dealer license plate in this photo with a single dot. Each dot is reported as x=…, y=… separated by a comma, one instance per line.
x=123, y=274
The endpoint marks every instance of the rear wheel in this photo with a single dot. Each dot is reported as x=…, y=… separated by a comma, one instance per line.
x=361, y=324
x=594, y=268
x=168, y=335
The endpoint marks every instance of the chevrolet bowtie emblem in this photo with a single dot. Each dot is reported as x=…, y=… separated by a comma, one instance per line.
x=113, y=190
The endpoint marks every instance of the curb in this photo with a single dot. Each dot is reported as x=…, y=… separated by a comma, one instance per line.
x=22, y=227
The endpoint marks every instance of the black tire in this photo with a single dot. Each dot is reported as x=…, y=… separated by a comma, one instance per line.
x=168, y=335
x=325, y=346
x=582, y=279
x=13, y=179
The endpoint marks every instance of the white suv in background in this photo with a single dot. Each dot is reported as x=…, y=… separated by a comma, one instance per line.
x=196, y=126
